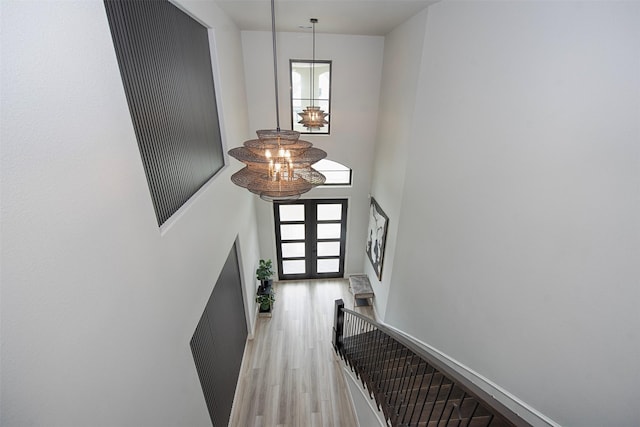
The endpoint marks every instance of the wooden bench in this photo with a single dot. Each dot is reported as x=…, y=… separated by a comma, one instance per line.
x=361, y=289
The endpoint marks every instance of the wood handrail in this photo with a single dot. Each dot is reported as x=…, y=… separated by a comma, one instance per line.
x=486, y=399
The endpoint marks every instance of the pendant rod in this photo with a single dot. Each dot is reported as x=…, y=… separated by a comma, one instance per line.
x=313, y=61
x=275, y=61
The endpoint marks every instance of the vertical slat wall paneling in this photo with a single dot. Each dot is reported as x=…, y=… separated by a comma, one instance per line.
x=165, y=64
x=202, y=348
x=218, y=342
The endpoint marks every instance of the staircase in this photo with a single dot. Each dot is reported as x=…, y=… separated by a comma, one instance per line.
x=411, y=387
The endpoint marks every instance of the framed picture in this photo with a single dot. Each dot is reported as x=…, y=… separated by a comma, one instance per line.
x=376, y=236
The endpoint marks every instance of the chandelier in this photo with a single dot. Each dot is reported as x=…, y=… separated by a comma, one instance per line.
x=313, y=117
x=278, y=163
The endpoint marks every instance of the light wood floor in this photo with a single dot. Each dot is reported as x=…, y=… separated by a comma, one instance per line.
x=290, y=375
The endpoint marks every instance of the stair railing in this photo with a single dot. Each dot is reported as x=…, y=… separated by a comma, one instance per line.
x=410, y=386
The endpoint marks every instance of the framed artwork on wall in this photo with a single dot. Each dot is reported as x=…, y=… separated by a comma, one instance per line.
x=376, y=236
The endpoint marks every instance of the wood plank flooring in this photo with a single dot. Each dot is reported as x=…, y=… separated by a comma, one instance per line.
x=291, y=376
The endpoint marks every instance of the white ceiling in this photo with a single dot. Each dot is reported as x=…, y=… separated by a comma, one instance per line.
x=361, y=17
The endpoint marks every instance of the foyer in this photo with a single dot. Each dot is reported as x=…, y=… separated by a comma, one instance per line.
x=291, y=375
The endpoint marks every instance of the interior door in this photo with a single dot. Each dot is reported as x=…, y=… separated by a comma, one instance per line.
x=310, y=238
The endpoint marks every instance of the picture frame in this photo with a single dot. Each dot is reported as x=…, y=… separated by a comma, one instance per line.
x=376, y=236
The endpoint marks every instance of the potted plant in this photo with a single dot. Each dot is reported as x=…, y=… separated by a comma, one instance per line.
x=266, y=300
x=264, y=274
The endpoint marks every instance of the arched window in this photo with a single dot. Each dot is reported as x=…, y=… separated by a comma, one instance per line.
x=336, y=173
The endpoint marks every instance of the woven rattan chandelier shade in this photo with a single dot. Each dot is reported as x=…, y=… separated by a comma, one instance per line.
x=278, y=163
x=313, y=117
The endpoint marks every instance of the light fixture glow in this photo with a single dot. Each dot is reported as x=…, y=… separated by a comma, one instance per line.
x=278, y=163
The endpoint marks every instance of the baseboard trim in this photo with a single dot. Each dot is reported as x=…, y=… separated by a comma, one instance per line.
x=528, y=413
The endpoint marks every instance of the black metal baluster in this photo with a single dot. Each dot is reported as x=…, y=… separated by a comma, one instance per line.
x=361, y=346
x=458, y=408
x=366, y=347
x=388, y=376
x=412, y=384
x=405, y=387
x=349, y=350
x=353, y=339
x=369, y=356
x=369, y=361
x=446, y=400
x=435, y=399
x=409, y=382
x=377, y=366
x=386, y=357
x=345, y=338
x=351, y=326
x=354, y=344
x=363, y=343
x=490, y=420
x=397, y=381
x=338, y=326
x=403, y=382
x=406, y=368
x=415, y=405
x=387, y=366
x=392, y=368
x=428, y=390
x=475, y=408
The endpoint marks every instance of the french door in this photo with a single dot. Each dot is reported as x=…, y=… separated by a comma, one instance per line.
x=310, y=238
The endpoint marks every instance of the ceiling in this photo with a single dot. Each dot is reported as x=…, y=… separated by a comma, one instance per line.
x=360, y=17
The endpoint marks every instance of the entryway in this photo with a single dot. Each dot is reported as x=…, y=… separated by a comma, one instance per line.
x=310, y=238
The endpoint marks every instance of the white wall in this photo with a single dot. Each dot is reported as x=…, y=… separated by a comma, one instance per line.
x=356, y=73
x=401, y=66
x=98, y=306
x=518, y=247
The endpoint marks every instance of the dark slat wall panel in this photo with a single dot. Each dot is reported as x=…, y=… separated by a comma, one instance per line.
x=218, y=342
x=165, y=64
x=202, y=348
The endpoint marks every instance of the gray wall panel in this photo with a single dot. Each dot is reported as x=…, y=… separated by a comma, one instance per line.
x=165, y=63
x=218, y=342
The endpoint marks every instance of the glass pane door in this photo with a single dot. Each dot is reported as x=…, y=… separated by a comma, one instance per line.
x=310, y=238
x=292, y=231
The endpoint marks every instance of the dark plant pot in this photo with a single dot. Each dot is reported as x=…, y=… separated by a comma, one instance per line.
x=265, y=308
x=265, y=287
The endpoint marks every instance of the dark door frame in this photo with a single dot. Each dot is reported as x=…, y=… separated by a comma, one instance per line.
x=311, y=239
